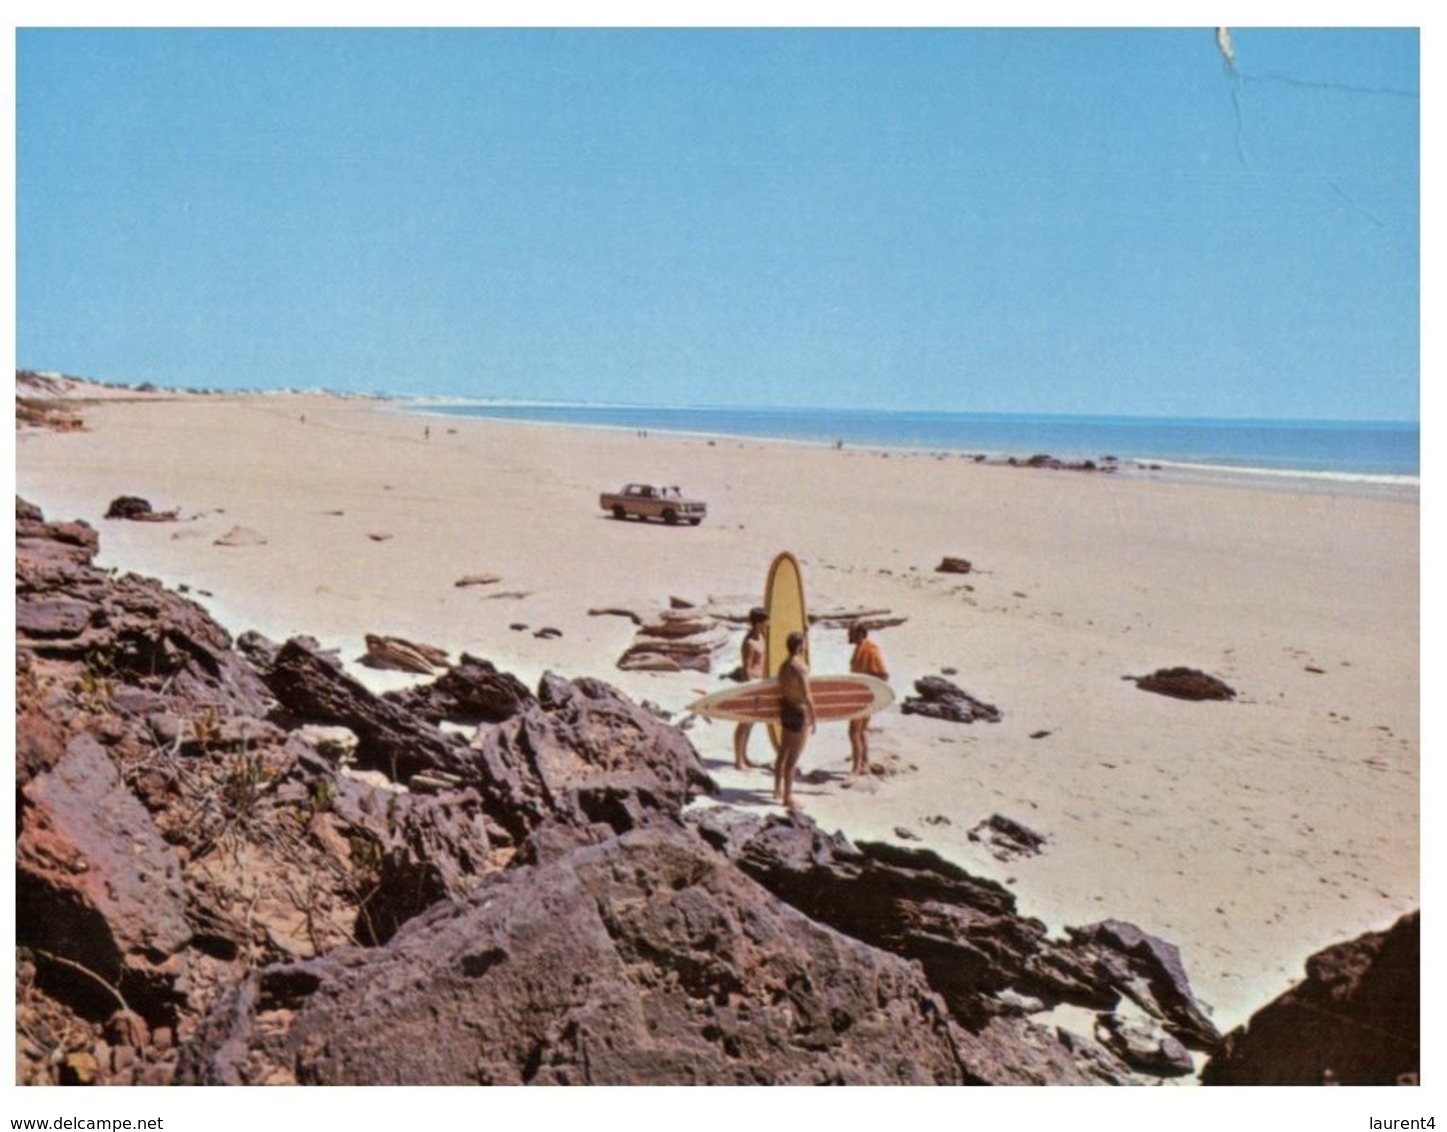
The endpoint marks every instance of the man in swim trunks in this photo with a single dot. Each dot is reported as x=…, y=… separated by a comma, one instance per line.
x=796, y=718
x=753, y=666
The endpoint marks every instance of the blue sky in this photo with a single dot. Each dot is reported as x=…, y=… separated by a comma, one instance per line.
x=1078, y=221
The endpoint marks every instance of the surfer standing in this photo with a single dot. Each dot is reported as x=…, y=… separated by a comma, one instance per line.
x=796, y=718
x=868, y=661
x=753, y=665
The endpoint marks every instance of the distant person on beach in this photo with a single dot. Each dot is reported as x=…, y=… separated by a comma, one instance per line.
x=796, y=718
x=753, y=666
x=867, y=661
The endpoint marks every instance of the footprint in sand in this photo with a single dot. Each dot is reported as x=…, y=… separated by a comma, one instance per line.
x=241, y=536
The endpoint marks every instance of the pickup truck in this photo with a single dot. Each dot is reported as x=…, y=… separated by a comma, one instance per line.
x=647, y=501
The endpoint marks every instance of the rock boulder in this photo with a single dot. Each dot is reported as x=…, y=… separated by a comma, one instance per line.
x=646, y=960
x=1185, y=684
x=1355, y=1019
x=473, y=691
x=938, y=698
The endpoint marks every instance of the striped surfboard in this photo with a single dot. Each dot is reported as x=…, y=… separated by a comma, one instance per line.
x=835, y=698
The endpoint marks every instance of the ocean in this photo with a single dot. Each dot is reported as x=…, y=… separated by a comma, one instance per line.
x=1370, y=451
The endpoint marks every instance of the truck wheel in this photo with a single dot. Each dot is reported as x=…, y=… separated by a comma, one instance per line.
x=695, y=522
x=670, y=517
x=618, y=513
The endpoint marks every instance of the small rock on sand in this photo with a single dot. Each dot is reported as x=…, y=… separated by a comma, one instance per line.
x=1184, y=684
x=1007, y=839
x=137, y=509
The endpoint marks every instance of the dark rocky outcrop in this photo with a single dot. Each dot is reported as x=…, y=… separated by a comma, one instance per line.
x=313, y=686
x=472, y=692
x=170, y=833
x=1141, y=1044
x=126, y=630
x=963, y=929
x=579, y=752
x=938, y=698
x=975, y=949
x=1149, y=971
x=1184, y=684
x=1354, y=1020
x=1045, y=460
x=428, y=849
x=136, y=509
x=585, y=754
x=99, y=890
x=644, y=960
x=154, y=850
x=223, y=875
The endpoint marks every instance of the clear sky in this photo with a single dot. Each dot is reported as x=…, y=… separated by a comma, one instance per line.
x=1079, y=221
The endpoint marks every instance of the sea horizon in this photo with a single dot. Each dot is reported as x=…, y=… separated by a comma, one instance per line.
x=1369, y=451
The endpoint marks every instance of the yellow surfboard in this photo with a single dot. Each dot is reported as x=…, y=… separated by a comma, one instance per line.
x=784, y=601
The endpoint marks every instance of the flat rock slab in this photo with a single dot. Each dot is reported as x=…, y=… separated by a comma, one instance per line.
x=96, y=884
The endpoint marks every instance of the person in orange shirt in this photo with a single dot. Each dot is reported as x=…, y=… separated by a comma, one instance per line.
x=867, y=660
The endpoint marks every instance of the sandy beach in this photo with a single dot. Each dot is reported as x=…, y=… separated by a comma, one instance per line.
x=1249, y=833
